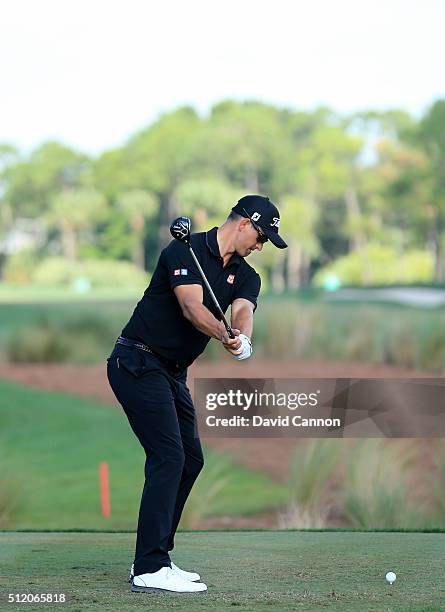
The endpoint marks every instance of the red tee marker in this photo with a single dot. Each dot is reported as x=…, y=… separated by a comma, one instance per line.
x=104, y=489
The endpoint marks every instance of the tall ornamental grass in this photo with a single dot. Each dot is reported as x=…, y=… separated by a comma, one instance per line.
x=377, y=485
x=366, y=483
x=211, y=481
x=436, y=484
x=310, y=499
x=379, y=333
x=285, y=329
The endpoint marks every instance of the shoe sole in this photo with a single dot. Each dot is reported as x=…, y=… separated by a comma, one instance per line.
x=141, y=589
x=130, y=580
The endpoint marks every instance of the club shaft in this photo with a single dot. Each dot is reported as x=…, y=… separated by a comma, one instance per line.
x=212, y=295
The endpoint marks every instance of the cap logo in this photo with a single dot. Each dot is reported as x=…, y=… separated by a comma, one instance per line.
x=275, y=222
x=255, y=216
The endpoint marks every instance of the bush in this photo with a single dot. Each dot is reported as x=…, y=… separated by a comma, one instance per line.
x=82, y=339
x=37, y=345
x=56, y=271
x=19, y=268
x=379, y=265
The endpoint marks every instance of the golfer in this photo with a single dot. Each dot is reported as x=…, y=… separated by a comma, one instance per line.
x=147, y=370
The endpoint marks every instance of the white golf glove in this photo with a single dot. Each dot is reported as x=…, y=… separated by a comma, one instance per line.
x=245, y=351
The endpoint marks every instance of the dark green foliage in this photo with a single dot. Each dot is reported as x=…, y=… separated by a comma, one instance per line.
x=371, y=178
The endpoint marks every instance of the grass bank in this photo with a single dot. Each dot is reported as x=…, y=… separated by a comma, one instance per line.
x=50, y=448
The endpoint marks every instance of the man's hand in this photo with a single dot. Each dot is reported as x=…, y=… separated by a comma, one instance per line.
x=246, y=348
x=240, y=347
x=233, y=345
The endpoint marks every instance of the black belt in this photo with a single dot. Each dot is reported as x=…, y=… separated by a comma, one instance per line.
x=171, y=365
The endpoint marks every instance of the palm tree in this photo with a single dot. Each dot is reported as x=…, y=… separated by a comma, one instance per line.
x=298, y=220
x=74, y=210
x=139, y=207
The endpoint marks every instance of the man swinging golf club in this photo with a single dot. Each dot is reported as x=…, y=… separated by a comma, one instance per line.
x=198, y=276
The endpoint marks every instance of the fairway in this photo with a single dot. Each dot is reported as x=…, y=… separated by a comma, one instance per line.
x=286, y=570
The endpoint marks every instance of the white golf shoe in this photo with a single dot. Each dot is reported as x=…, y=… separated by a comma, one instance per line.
x=165, y=580
x=192, y=576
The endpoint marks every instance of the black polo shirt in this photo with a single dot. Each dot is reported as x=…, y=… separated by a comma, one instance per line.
x=158, y=320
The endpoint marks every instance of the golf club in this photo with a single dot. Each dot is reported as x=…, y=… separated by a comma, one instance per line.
x=180, y=230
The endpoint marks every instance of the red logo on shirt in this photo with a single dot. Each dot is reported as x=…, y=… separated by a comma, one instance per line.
x=231, y=279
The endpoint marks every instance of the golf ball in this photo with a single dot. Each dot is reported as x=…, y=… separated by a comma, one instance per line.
x=390, y=577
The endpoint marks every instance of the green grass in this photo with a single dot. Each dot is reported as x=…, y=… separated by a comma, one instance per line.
x=50, y=448
x=246, y=571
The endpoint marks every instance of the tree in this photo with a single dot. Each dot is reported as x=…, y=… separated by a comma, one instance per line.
x=327, y=162
x=247, y=142
x=32, y=184
x=431, y=137
x=9, y=156
x=298, y=223
x=155, y=160
x=383, y=153
x=73, y=211
x=207, y=199
x=138, y=207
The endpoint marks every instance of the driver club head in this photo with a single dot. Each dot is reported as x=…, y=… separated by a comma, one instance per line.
x=180, y=229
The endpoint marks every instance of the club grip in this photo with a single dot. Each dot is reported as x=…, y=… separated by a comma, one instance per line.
x=230, y=332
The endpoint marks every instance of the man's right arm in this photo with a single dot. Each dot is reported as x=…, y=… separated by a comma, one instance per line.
x=190, y=299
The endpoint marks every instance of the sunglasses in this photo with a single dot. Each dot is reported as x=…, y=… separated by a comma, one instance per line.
x=262, y=238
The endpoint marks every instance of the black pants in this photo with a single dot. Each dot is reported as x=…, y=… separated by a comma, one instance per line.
x=160, y=410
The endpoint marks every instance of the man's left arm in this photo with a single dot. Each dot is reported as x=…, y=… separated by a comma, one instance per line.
x=243, y=306
x=242, y=316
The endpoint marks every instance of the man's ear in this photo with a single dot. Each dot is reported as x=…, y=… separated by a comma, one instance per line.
x=243, y=223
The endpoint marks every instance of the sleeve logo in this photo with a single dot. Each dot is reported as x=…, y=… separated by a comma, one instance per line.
x=231, y=279
x=177, y=272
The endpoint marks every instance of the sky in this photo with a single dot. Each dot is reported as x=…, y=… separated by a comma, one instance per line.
x=90, y=73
